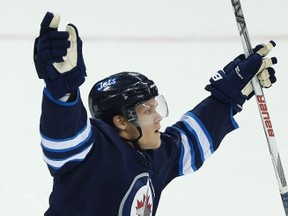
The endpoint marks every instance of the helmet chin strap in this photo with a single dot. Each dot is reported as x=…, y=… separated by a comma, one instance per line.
x=135, y=141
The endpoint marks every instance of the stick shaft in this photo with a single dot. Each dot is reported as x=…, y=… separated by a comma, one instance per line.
x=262, y=107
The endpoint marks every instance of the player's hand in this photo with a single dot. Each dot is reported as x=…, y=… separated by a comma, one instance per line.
x=266, y=74
x=232, y=84
x=58, y=57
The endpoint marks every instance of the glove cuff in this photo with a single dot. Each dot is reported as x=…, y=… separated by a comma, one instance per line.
x=65, y=83
x=237, y=103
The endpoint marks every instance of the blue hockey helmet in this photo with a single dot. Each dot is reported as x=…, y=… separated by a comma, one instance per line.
x=118, y=94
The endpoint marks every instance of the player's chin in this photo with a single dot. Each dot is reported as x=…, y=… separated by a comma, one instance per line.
x=151, y=141
x=156, y=143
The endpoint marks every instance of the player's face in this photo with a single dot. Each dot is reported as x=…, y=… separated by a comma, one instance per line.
x=149, y=116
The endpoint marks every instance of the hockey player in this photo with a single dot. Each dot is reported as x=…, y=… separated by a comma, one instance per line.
x=118, y=162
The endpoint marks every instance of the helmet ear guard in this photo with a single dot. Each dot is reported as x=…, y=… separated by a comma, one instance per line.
x=130, y=114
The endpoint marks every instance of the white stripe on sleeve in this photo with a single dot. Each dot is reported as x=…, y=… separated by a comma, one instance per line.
x=187, y=157
x=204, y=142
x=57, y=164
x=69, y=143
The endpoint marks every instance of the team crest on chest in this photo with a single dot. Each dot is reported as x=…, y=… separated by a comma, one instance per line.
x=138, y=201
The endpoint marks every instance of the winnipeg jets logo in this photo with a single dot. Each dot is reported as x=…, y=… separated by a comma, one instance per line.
x=138, y=201
x=144, y=206
x=105, y=83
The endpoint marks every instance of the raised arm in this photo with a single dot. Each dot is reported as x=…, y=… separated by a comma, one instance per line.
x=66, y=136
x=203, y=128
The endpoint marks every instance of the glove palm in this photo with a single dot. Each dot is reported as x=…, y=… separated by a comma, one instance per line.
x=58, y=57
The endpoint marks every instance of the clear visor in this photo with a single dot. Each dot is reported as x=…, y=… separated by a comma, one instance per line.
x=152, y=111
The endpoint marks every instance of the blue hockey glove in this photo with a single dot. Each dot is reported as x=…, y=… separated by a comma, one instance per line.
x=232, y=84
x=58, y=57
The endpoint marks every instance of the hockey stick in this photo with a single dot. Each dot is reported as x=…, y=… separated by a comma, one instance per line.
x=262, y=106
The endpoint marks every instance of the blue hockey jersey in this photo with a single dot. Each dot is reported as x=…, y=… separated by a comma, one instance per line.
x=97, y=174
